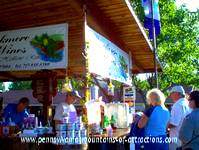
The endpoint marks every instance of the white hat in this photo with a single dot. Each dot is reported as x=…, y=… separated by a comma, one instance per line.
x=178, y=89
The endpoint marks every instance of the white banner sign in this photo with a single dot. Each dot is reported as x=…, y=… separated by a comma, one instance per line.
x=106, y=59
x=34, y=48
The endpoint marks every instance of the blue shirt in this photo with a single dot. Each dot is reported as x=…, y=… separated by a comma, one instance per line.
x=157, y=122
x=17, y=117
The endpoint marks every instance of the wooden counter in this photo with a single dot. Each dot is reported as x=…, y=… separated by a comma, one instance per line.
x=110, y=146
x=116, y=133
x=14, y=143
x=121, y=132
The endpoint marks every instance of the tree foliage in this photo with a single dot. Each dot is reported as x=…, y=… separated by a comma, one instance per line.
x=20, y=85
x=2, y=87
x=177, y=45
x=77, y=84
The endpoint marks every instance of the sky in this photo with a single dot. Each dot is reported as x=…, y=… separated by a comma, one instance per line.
x=192, y=5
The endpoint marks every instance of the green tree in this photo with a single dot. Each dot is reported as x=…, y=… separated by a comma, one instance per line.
x=178, y=50
x=141, y=87
x=2, y=86
x=177, y=45
x=20, y=85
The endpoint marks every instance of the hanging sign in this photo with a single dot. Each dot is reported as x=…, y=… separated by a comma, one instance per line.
x=36, y=48
x=129, y=95
x=106, y=59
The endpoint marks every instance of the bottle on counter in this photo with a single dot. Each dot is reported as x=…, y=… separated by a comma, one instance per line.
x=109, y=131
x=105, y=122
x=36, y=122
x=113, y=122
x=49, y=127
x=40, y=124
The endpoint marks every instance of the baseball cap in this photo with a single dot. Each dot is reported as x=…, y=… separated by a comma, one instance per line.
x=74, y=93
x=178, y=89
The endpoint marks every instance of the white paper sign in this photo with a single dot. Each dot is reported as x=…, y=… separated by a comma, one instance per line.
x=129, y=95
x=93, y=112
x=106, y=59
x=36, y=48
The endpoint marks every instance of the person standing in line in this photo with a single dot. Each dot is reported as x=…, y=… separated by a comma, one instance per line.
x=155, y=120
x=189, y=131
x=179, y=111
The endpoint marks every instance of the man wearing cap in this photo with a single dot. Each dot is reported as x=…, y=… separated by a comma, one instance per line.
x=179, y=111
x=67, y=109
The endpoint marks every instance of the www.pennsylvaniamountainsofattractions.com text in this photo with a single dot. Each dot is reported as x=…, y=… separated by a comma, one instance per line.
x=85, y=140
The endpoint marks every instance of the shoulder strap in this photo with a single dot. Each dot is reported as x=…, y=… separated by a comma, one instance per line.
x=149, y=111
x=192, y=140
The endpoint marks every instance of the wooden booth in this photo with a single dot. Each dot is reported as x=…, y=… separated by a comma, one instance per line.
x=31, y=20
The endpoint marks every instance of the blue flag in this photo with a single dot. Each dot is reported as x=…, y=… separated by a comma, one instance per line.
x=148, y=17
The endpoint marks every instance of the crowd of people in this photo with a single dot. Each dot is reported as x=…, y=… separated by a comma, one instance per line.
x=181, y=123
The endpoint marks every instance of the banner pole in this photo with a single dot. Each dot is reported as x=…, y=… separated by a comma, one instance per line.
x=154, y=45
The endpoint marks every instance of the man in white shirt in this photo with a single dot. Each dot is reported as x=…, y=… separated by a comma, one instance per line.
x=179, y=111
x=67, y=109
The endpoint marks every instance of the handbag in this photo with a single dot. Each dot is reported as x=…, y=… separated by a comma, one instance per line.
x=180, y=148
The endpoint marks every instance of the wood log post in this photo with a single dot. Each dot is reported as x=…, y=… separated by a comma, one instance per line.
x=44, y=86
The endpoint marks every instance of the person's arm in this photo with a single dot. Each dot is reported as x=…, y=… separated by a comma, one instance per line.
x=142, y=122
x=144, y=119
x=186, y=130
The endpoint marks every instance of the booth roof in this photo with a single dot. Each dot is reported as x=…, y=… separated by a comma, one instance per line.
x=114, y=19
